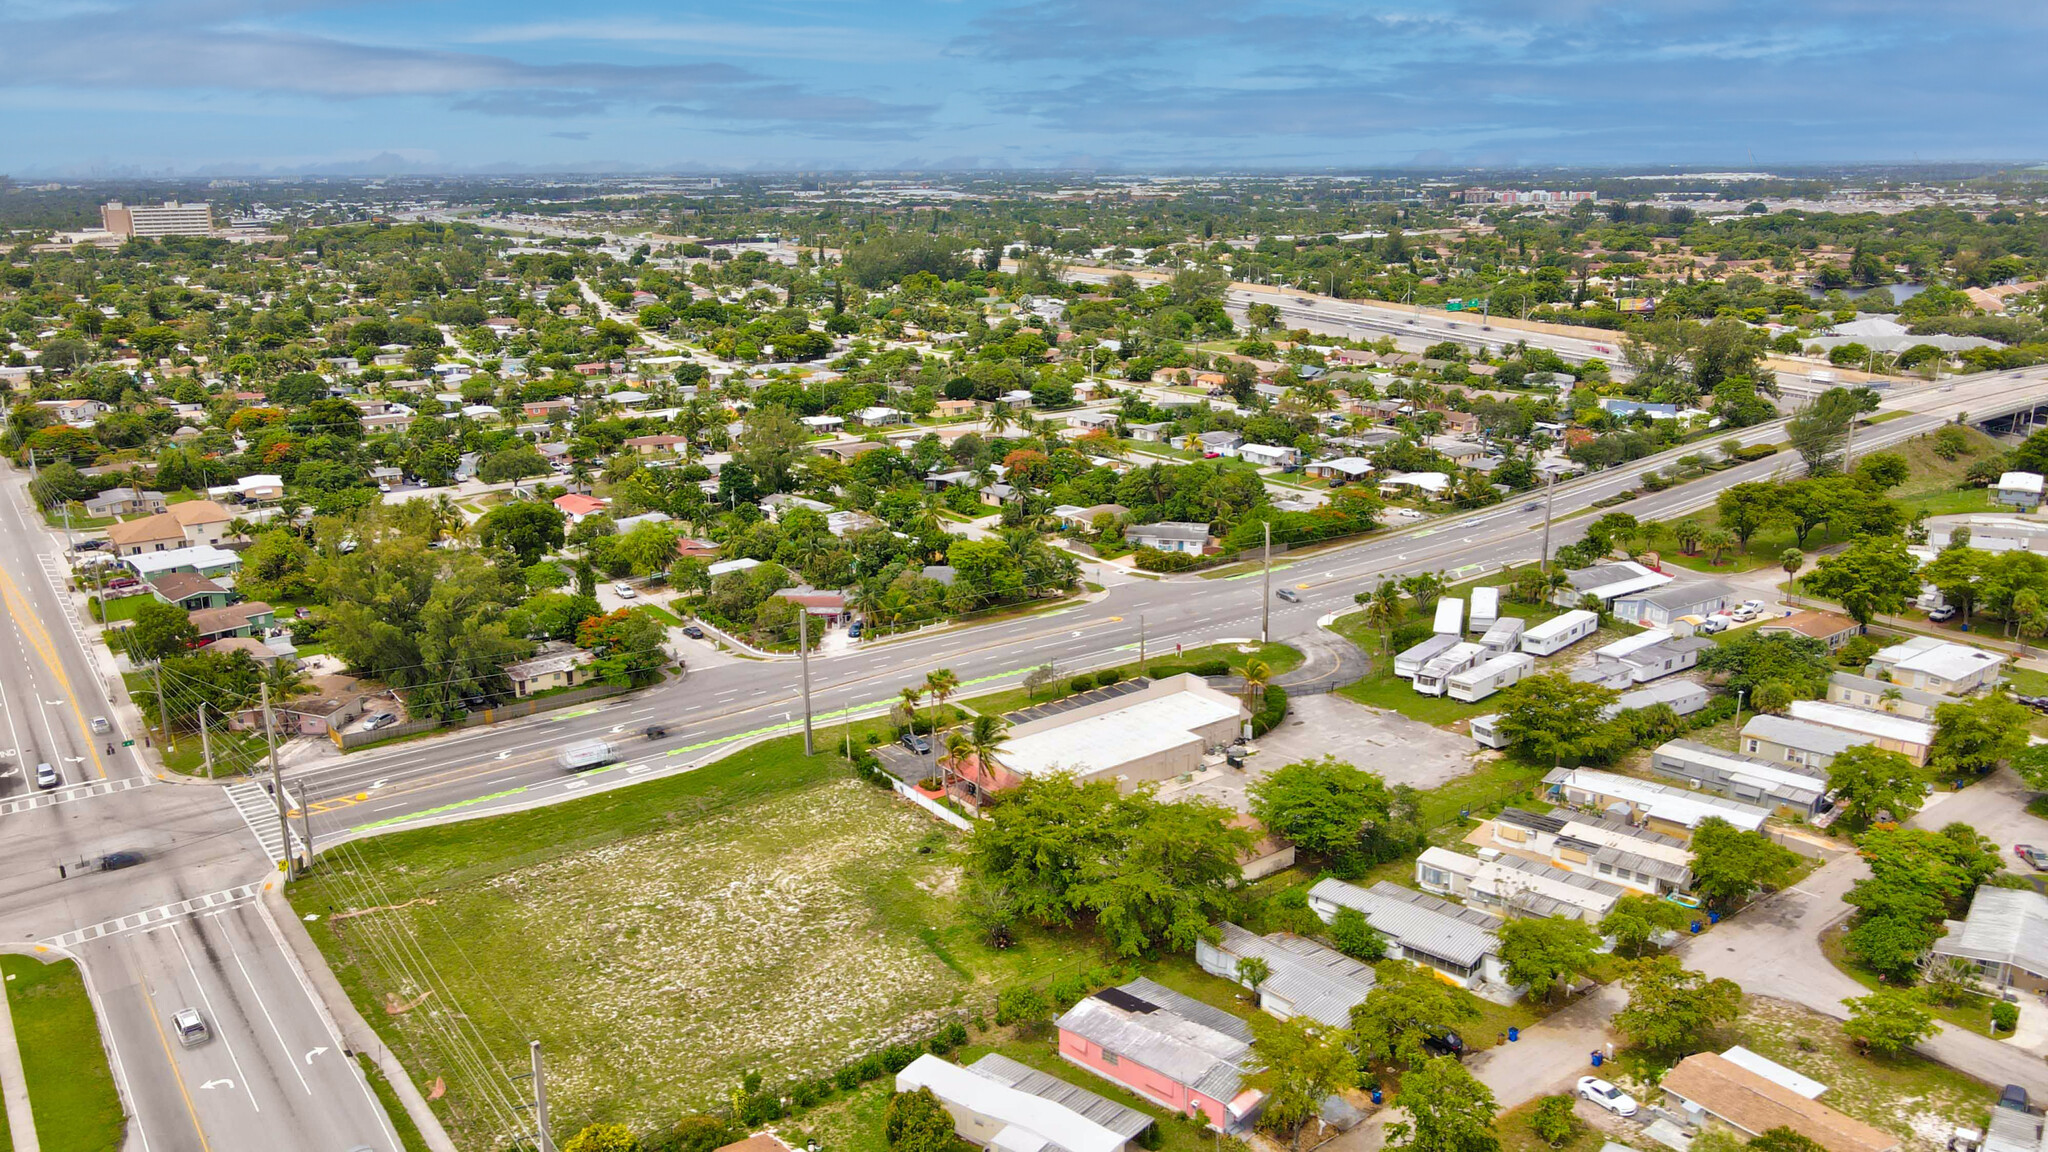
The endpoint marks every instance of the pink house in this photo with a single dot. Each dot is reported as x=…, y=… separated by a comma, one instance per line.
x=1171, y=1049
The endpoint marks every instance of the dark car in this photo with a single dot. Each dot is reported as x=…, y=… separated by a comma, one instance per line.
x=854, y=630
x=693, y=632
x=1532, y=506
x=654, y=731
x=1445, y=1043
x=916, y=743
x=2015, y=1098
x=113, y=860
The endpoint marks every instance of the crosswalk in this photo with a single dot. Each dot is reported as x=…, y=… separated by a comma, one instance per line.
x=259, y=812
x=154, y=917
x=75, y=792
x=60, y=578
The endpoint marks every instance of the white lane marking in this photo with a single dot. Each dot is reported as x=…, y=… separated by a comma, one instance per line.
x=208, y=1001
x=267, y=1017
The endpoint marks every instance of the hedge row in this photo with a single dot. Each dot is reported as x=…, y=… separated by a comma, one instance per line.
x=1272, y=710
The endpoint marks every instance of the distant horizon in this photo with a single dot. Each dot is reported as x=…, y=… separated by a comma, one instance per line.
x=195, y=88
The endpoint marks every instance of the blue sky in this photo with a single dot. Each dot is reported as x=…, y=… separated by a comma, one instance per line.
x=195, y=86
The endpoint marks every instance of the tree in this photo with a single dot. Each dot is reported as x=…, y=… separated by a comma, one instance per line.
x=1790, y=560
x=1889, y=1021
x=1671, y=1009
x=1973, y=736
x=1330, y=809
x=1405, y=1005
x=1449, y=1110
x=627, y=645
x=1636, y=919
x=1546, y=952
x=512, y=464
x=1784, y=1140
x=159, y=630
x=528, y=528
x=769, y=445
x=1729, y=863
x=916, y=1122
x=1252, y=972
x=2032, y=766
x=1424, y=588
x=1716, y=541
x=1820, y=430
x=1353, y=935
x=1301, y=1064
x=1553, y=717
x=646, y=549
x=1867, y=780
x=1256, y=673
x=603, y=1138
x=1748, y=658
x=1553, y=1120
x=1874, y=575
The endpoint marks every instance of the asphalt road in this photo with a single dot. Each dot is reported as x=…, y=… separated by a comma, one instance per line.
x=178, y=930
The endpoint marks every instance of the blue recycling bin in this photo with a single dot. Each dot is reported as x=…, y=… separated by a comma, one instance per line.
x=1599, y=1058
x=1713, y=917
x=1514, y=1034
x=1377, y=1096
x=1695, y=927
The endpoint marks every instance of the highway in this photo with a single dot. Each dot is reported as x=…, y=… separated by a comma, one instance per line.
x=181, y=929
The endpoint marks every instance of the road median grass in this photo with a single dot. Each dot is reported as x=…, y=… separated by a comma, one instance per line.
x=70, y=1087
x=1279, y=658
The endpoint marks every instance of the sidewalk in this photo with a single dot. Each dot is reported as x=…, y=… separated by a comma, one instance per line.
x=21, y=1123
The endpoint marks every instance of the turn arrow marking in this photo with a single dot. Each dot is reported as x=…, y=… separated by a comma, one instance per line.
x=315, y=1052
x=218, y=1084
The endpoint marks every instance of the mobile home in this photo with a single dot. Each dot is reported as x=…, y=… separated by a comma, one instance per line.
x=1559, y=632
x=1504, y=636
x=1407, y=664
x=1485, y=609
x=1484, y=680
x=1484, y=733
x=1432, y=678
x=1450, y=616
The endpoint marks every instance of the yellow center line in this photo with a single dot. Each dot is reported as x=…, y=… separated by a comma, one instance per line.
x=169, y=1057
x=24, y=615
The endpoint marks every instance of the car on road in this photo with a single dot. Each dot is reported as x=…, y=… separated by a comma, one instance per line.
x=1289, y=595
x=916, y=744
x=2035, y=857
x=100, y=726
x=380, y=720
x=693, y=632
x=1607, y=1096
x=47, y=777
x=654, y=731
x=114, y=860
x=190, y=1027
x=1532, y=506
x=624, y=590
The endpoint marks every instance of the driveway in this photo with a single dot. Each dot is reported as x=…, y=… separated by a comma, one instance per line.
x=1552, y=1054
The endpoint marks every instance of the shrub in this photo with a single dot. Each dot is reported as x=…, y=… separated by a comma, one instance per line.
x=804, y=1093
x=1081, y=683
x=931, y=783
x=1553, y=1121
x=897, y=1057
x=953, y=1035
x=603, y=1138
x=1212, y=668
x=760, y=1108
x=1272, y=710
x=847, y=1078
x=1154, y=560
x=1414, y=632
x=870, y=1067
x=1021, y=1004
x=1757, y=452
x=698, y=1133
x=2004, y=1017
x=1109, y=676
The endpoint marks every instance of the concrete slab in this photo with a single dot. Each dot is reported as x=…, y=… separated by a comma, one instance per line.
x=1403, y=751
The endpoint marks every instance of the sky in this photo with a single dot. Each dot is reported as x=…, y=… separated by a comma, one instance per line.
x=198, y=87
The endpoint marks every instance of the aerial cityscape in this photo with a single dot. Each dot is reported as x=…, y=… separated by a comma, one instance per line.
x=1029, y=576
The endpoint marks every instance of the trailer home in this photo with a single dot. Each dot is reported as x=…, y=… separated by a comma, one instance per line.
x=1481, y=681
x=1559, y=632
x=1450, y=616
x=1407, y=664
x=1504, y=637
x=1485, y=609
x=1484, y=733
x=1432, y=678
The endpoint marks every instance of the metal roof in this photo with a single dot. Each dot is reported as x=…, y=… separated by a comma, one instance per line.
x=1126, y=1122
x=1320, y=983
x=2006, y=925
x=1047, y=1123
x=1800, y=735
x=1678, y=805
x=1439, y=928
x=1883, y=725
x=1686, y=595
x=1176, y=1036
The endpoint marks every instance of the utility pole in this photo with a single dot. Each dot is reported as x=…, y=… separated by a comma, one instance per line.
x=1549, y=499
x=1141, y=643
x=1266, y=585
x=540, y=1100
x=163, y=710
x=803, y=645
x=284, y=824
x=205, y=741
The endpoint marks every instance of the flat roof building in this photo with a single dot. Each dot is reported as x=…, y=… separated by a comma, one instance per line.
x=999, y=1108
x=1751, y=781
x=151, y=220
x=1147, y=733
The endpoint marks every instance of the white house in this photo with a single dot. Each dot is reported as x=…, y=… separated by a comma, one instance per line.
x=1169, y=536
x=2019, y=490
x=1269, y=455
x=1429, y=484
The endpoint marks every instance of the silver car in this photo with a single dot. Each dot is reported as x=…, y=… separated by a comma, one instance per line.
x=190, y=1027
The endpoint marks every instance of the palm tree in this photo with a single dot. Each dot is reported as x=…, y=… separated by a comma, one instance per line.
x=998, y=418
x=939, y=684
x=1688, y=532
x=1256, y=673
x=1790, y=560
x=911, y=695
x=1383, y=610
x=1716, y=541
x=1889, y=699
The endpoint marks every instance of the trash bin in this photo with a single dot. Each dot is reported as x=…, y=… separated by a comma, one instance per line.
x=1713, y=917
x=1377, y=1096
x=1599, y=1059
x=1695, y=927
x=1514, y=1034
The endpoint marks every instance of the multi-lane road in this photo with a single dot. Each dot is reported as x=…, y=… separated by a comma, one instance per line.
x=183, y=928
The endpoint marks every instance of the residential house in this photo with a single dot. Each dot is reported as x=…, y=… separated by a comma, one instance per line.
x=264, y=488
x=1001, y=1104
x=1911, y=738
x=79, y=413
x=263, y=653
x=1786, y=741
x=877, y=416
x=723, y=567
x=1607, y=847
x=1217, y=441
x=1883, y=696
x=2018, y=490
x=1683, y=697
x=1937, y=666
x=577, y=506
x=688, y=547
x=1098, y=421
x=1777, y=786
x=555, y=665
x=1641, y=658
x=1171, y=1049
x=1989, y=532
x=201, y=559
x=1456, y=942
x=1515, y=885
x=335, y=701
x=187, y=591
x=1457, y=451
x=1268, y=455
x=2005, y=936
x=249, y=618
x=548, y=409
x=1303, y=978
x=1170, y=536
x=195, y=523
x=822, y=425
x=1830, y=628
x=1429, y=485
x=1717, y=1092
x=1346, y=468
x=1072, y=516
x=1150, y=433
x=658, y=445
x=1661, y=606
x=130, y=501
x=1666, y=810
x=1607, y=582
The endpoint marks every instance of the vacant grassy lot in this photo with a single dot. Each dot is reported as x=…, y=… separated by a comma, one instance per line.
x=765, y=912
x=70, y=1088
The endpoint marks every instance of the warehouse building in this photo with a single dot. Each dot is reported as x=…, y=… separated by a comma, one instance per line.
x=1135, y=733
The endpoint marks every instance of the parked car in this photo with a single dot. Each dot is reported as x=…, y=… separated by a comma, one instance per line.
x=1607, y=1096
x=2015, y=1098
x=2035, y=857
x=100, y=726
x=624, y=590
x=114, y=860
x=380, y=720
x=1752, y=605
x=916, y=743
x=1289, y=595
x=47, y=777
x=854, y=629
x=693, y=632
x=190, y=1027
x=1711, y=625
x=1445, y=1043
x=1942, y=613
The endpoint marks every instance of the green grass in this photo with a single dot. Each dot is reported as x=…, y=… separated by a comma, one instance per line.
x=1279, y=657
x=667, y=617
x=70, y=1087
x=1972, y=1014
x=1515, y=1135
x=125, y=607
x=408, y=1132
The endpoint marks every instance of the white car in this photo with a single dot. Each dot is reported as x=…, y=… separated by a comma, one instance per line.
x=1607, y=1096
x=625, y=591
x=1753, y=606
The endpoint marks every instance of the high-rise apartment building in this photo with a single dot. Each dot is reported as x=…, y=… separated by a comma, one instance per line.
x=149, y=220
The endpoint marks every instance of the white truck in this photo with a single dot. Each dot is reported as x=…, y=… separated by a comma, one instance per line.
x=585, y=755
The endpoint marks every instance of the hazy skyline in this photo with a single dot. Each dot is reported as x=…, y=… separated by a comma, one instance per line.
x=192, y=86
